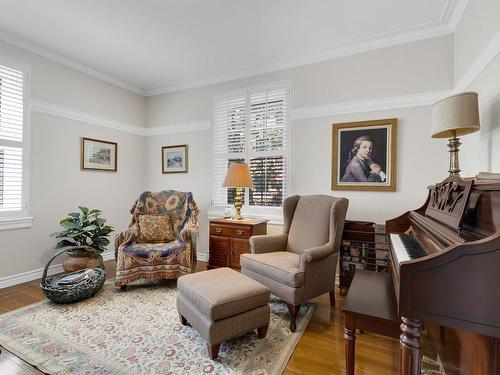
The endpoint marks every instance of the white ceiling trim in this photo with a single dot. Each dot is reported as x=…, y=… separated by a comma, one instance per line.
x=457, y=14
x=370, y=105
x=72, y=64
x=178, y=128
x=484, y=59
x=88, y=118
x=449, y=19
x=375, y=42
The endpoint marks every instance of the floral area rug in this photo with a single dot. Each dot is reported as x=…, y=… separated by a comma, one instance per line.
x=138, y=332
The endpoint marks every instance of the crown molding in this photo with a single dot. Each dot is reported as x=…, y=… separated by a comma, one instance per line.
x=403, y=36
x=484, y=59
x=457, y=14
x=71, y=63
x=72, y=114
x=448, y=9
x=370, y=105
x=452, y=12
x=178, y=128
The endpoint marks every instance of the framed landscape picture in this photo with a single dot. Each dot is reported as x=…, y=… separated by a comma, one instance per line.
x=364, y=155
x=98, y=155
x=174, y=159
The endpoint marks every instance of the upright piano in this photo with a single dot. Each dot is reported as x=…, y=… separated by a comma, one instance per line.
x=446, y=268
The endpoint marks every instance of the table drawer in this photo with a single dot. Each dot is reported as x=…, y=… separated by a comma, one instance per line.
x=219, y=251
x=230, y=231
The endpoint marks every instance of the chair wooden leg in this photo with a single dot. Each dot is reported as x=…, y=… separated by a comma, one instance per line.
x=293, y=309
x=183, y=320
x=213, y=350
x=262, y=331
x=332, y=297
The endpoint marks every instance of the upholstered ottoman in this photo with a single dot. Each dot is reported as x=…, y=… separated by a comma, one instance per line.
x=221, y=304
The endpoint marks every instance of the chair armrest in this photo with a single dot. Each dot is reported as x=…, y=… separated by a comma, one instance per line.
x=189, y=235
x=268, y=243
x=126, y=237
x=315, y=254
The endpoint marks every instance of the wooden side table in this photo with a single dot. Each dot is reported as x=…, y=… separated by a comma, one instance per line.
x=229, y=239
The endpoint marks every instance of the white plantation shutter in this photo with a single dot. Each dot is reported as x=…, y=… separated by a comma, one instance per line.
x=252, y=126
x=12, y=140
x=229, y=140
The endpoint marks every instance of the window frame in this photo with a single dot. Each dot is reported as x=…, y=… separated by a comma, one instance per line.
x=19, y=219
x=274, y=213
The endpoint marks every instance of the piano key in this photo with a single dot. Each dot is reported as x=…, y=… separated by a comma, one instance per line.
x=399, y=248
x=412, y=245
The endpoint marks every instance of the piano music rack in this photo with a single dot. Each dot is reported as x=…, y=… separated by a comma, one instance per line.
x=364, y=247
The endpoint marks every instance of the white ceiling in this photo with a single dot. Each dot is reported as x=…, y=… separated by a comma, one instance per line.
x=153, y=46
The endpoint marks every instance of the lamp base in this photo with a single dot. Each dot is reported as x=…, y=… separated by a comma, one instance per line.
x=238, y=205
x=454, y=144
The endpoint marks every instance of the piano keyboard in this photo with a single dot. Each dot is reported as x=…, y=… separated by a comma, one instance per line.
x=406, y=247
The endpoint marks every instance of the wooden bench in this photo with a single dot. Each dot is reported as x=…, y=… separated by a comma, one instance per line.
x=370, y=306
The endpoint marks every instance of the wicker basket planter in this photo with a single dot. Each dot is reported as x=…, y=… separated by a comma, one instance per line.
x=75, y=286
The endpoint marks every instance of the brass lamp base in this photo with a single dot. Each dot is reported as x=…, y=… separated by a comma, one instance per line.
x=238, y=204
x=454, y=144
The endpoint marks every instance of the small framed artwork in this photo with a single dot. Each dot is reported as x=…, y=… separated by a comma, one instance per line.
x=364, y=155
x=98, y=155
x=174, y=159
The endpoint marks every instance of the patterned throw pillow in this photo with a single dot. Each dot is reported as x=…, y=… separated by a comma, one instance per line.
x=155, y=229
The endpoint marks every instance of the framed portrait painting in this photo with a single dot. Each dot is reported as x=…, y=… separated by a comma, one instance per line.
x=364, y=155
x=174, y=159
x=98, y=155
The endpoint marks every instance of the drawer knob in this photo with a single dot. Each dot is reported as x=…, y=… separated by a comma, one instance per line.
x=240, y=232
x=218, y=230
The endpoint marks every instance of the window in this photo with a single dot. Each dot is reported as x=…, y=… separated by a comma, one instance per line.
x=252, y=126
x=13, y=143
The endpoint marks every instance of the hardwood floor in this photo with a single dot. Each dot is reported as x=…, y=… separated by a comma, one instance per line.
x=319, y=351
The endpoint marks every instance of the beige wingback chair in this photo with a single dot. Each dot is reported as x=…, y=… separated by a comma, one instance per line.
x=300, y=263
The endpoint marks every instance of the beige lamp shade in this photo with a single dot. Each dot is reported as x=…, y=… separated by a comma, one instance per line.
x=238, y=175
x=458, y=113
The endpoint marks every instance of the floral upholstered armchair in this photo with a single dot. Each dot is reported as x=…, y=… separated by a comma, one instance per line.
x=160, y=242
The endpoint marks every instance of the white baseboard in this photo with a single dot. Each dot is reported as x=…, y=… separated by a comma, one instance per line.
x=38, y=273
x=202, y=256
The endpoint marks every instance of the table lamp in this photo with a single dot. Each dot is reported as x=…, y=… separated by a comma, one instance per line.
x=238, y=176
x=455, y=116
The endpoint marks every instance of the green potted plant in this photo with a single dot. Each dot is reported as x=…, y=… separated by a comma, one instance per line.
x=84, y=228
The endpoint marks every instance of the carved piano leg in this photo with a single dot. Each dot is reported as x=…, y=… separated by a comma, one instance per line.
x=350, y=340
x=410, y=360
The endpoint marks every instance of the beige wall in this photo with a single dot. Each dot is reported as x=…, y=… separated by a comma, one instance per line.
x=480, y=151
x=57, y=185
x=477, y=26
x=61, y=85
x=418, y=67
x=477, y=29
x=399, y=70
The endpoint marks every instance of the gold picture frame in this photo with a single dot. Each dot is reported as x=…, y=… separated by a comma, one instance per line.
x=174, y=159
x=98, y=155
x=364, y=155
